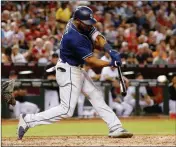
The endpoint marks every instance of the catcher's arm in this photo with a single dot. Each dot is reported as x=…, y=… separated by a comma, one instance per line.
x=7, y=92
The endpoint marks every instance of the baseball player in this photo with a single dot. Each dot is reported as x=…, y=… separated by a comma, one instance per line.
x=76, y=48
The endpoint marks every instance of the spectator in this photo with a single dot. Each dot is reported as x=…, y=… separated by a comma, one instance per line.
x=6, y=16
x=131, y=59
x=18, y=37
x=48, y=48
x=39, y=54
x=16, y=56
x=111, y=34
x=158, y=49
x=43, y=28
x=63, y=14
x=171, y=44
x=107, y=21
x=6, y=55
x=151, y=19
x=124, y=50
x=8, y=33
x=54, y=42
x=172, y=57
x=147, y=53
x=159, y=60
x=137, y=22
x=140, y=56
x=33, y=33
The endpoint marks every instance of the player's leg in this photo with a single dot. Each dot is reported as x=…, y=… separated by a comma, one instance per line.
x=29, y=108
x=118, y=107
x=81, y=100
x=16, y=109
x=105, y=112
x=70, y=82
x=114, y=105
x=130, y=100
x=144, y=104
x=172, y=106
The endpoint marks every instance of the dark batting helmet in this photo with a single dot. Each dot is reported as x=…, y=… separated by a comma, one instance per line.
x=85, y=15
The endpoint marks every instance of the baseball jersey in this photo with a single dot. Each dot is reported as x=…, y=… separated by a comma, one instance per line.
x=75, y=46
x=107, y=71
x=132, y=90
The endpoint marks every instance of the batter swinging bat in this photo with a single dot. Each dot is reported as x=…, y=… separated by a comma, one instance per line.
x=122, y=83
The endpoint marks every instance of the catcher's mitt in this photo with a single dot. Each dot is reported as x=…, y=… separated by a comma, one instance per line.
x=7, y=89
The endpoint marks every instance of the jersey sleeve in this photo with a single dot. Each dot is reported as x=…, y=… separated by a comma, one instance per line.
x=94, y=33
x=83, y=48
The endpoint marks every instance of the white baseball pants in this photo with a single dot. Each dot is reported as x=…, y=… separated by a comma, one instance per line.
x=72, y=80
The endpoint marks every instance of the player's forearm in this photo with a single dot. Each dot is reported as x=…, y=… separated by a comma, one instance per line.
x=102, y=43
x=94, y=62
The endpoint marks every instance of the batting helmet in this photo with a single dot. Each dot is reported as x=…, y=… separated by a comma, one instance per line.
x=85, y=15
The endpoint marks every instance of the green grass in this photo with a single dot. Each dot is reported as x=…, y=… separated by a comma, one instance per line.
x=95, y=128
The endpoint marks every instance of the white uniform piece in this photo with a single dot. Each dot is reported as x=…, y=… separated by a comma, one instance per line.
x=172, y=106
x=51, y=98
x=107, y=71
x=25, y=108
x=130, y=99
x=81, y=100
x=72, y=80
x=122, y=109
x=104, y=58
x=19, y=58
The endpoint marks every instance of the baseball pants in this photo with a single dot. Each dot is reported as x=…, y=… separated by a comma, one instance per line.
x=72, y=80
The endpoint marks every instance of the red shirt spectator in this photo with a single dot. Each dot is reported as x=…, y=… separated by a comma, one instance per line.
x=43, y=28
x=33, y=33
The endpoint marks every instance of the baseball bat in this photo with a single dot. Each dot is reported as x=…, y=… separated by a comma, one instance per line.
x=122, y=83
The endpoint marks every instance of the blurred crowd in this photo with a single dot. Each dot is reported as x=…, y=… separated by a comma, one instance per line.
x=144, y=32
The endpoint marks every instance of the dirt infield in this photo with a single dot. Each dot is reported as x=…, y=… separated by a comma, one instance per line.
x=137, y=140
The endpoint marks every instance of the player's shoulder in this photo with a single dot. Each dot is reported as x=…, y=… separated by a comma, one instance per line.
x=78, y=34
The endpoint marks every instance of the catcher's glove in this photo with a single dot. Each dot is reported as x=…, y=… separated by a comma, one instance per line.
x=7, y=89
